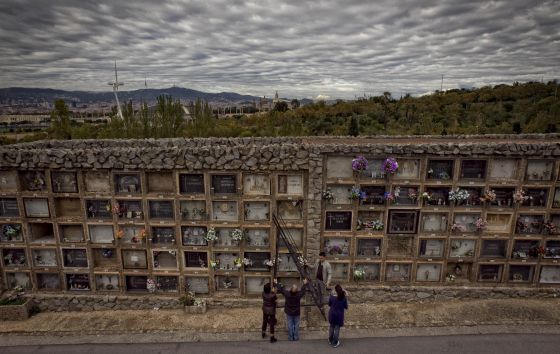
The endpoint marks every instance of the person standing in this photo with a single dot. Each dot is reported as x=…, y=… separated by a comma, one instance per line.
x=338, y=304
x=292, y=308
x=323, y=270
x=269, y=311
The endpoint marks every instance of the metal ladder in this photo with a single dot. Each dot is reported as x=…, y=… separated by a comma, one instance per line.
x=315, y=286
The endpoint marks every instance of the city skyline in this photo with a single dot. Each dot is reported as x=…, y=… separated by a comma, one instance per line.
x=301, y=49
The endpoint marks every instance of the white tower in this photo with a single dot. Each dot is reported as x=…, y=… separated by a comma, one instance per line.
x=116, y=85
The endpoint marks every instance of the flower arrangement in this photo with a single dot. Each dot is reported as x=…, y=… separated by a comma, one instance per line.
x=328, y=195
x=377, y=225
x=151, y=285
x=238, y=262
x=107, y=253
x=480, y=224
x=519, y=196
x=389, y=197
x=247, y=262
x=489, y=196
x=336, y=249
x=390, y=165
x=550, y=227
x=357, y=194
x=211, y=235
x=237, y=235
x=456, y=227
x=458, y=195
x=426, y=196
x=359, y=274
x=120, y=234
x=143, y=234
x=360, y=163
x=538, y=251
x=450, y=277
x=412, y=194
x=270, y=262
x=302, y=261
x=116, y=209
x=214, y=263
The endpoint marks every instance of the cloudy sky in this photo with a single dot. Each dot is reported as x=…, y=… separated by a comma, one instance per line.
x=336, y=48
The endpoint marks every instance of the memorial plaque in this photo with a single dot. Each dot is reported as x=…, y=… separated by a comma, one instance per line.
x=397, y=272
x=224, y=211
x=500, y=223
x=136, y=283
x=490, y=272
x=338, y=220
x=462, y=248
x=440, y=169
x=539, y=170
x=439, y=196
x=128, y=183
x=461, y=271
x=521, y=273
x=160, y=182
x=258, y=260
x=227, y=282
x=167, y=284
x=341, y=194
x=369, y=247
x=552, y=249
x=374, y=195
x=71, y=233
x=107, y=282
x=340, y=271
x=336, y=247
x=400, y=246
x=428, y=272
x=339, y=167
x=529, y=224
x=403, y=222
x=465, y=222
x=11, y=233
x=493, y=249
x=261, y=237
x=99, y=209
x=105, y=258
x=290, y=184
x=164, y=259
x=163, y=235
x=537, y=197
x=226, y=260
x=550, y=275
x=257, y=211
x=198, y=285
x=161, y=209
x=33, y=181
x=435, y=222
x=256, y=184
x=523, y=249
x=64, y=182
x=196, y=259
x=14, y=257
x=408, y=169
x=194, y=235
x=191, y=183
x=503, y=169
x=101, y=233
x=75, y=257
x=254, y=285
x=9, y=207
x=68, y=207
x=129, y=209
x=224, y=184
x=77, y=282
x=431, y=248
x=36, y=208
x=372, y=271
x=194, y=210
x=97, y=182
x=48, y=281
x=134, y=259
x=8, y=181
x=290, y=209
x=286, y=263
x=473, y=169
x=44, y=257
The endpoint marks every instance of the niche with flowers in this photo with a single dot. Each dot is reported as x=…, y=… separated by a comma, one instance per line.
x=405, y=195
x=164, y=259
x=34, y=181
x=14, y=257
x=436, y=196
x=194, y=235
x=539, y=170
x=336, y=247
x=128, y=183
x=370, y=221
x=503, y=197
x=255, y=261
x=440, y=169
x=529, y=224
x=227, y=282
x=369, y=247
x=129, y=209
x=461, y=272
x=44, y=257
x=99, y=209
x=367, y=272
x=11, y=233
x=523, y=249
x=535, y=197
x=193, y=210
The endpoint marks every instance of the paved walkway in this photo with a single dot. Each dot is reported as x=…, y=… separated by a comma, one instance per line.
x=479, y=344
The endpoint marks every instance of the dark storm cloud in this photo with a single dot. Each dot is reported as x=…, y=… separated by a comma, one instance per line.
x=300, y=48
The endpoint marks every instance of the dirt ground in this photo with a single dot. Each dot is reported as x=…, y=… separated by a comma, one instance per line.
x=236, y=320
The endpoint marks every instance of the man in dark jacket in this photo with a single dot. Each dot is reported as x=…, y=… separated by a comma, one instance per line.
x=292, y=308
x=269, y=310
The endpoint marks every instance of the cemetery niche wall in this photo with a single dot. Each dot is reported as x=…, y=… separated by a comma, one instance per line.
x=141, y=217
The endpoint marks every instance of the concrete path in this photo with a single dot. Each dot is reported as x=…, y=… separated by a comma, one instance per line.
x=479, y=344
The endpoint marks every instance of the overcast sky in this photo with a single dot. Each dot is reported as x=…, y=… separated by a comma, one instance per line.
x=300, y=48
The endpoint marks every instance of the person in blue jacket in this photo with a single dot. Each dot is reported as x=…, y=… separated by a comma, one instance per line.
x=338, y=304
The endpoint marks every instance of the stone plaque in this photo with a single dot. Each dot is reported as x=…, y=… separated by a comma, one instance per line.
x=224, y=184
x=9, y=207
x=338, y=220
x=191, y=184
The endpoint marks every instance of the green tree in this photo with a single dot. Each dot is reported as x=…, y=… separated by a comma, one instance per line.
x=280, y=106
x=353, y=127
x=295, y=103
x=60, y=121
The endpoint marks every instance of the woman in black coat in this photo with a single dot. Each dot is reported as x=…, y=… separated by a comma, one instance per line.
x=269, y=310
x=338, y=304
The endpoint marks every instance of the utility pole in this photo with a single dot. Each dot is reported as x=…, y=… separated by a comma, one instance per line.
x=441, y=87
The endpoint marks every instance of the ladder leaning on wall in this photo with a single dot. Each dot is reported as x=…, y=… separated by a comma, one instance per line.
x=316, y=287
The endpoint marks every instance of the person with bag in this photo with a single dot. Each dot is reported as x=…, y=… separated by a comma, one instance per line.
x=338, y=305
x=269, y=311
x=292, y=308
